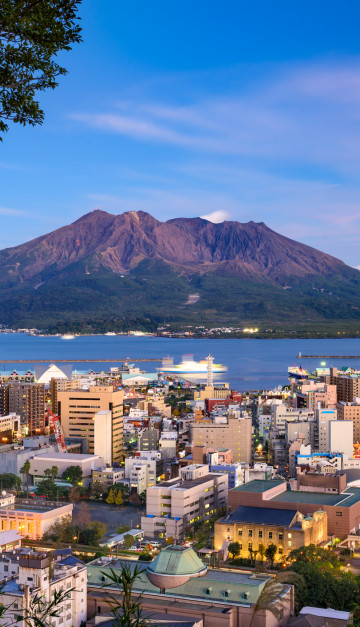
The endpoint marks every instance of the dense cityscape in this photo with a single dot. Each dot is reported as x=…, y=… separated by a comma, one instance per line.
x=216, y=494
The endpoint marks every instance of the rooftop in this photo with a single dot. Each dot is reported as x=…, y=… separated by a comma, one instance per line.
x=350, y=497
x=260, y=485
x=177, y=560
x=244, y=588
x=262, y=516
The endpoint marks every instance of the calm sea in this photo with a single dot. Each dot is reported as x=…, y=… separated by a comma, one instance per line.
x=252, y=364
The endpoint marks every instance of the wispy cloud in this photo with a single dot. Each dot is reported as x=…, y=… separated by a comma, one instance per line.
x=6, y=211
x=308, y=113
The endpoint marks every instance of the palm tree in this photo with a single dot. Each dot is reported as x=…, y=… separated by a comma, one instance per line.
x=269, y=598
x=126, y=611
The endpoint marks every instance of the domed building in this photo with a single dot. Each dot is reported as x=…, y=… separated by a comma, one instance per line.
x=174, y=566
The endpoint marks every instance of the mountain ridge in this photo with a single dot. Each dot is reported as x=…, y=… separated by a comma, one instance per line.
x=131, y=264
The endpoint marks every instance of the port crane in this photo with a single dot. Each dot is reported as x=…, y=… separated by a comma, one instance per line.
x=59, y=434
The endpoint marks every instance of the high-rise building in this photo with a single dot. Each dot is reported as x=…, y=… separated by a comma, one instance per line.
x=4, y=400
x=78, y=408
x=27, y=400
x=351, y=411
x=347, y=384
x=61, y=385
x=234, y=434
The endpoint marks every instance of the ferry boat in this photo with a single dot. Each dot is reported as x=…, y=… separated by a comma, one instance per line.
x=68, y=336
x=189, y=366
x=298, y=372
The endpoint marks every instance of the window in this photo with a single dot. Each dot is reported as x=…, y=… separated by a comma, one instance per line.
x=338, y=513
x=250, y=546
x=270, y=534
x=281, y=536
x=289, y=535
x=280, y=550
x=260, y=534
x=250, y=533
x=240, y=532
x=289, y=543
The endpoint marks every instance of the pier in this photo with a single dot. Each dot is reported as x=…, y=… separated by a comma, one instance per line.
x=301, y=356
x=76, y=361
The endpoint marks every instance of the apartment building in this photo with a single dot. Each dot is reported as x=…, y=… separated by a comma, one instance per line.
x=233, y=433
x=350, y=411
x=4, y=399
x=62, y=385
x=347, y=384
x=143, y=470
x=288, y=529
x=36, y=577
x=174, y=506
x=107, y=477
x=82, y=415
x=28, y=401
x=281, y=414
x=308, y=394
x=9, y=427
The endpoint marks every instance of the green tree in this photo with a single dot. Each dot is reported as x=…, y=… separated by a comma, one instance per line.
x=261, y=551
x=73, y=474
x=270, y=553
x=125, y=609
x=128, y=541
x=33, y=33
x=110, y=497
x=270, y=597
x=9, y=481
x=234, y=549
x=119, y=499
x=122, y=529
x=25, y=473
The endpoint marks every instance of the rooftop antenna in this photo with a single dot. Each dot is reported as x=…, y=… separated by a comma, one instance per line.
x=210, y=374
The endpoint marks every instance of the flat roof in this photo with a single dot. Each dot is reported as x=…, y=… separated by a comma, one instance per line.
x=261, y=516
x=81, y=457
x=259, y=485
x=350, y=497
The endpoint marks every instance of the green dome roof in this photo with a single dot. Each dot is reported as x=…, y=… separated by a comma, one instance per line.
x=174, y=566
x=177, y=560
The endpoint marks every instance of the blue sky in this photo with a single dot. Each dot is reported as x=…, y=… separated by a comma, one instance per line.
x=240, y=110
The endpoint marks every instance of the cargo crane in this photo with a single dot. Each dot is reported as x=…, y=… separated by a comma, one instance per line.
x=59, y=434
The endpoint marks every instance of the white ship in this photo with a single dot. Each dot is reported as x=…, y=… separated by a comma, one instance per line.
x=68, y=336
x=189, y=366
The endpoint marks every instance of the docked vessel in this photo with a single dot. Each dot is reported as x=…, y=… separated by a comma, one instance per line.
x=189, y=366
x=298, y=372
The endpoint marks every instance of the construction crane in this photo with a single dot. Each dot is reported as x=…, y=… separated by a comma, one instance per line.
x=59, y=434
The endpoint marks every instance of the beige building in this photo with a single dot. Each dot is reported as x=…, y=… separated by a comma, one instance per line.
x=175, y=505
x=78, y=409
x=255, y=526
x=28, y=518
x=234, y=434
x=347, y=384
x=350, y=411
x=61, y=385
x=210, y=391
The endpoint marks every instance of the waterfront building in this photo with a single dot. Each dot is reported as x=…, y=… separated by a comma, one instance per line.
x=174, y=506
x=288, y=529
x=82, y=415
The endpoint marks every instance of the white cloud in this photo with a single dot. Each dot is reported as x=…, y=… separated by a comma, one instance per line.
x=217, y=216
